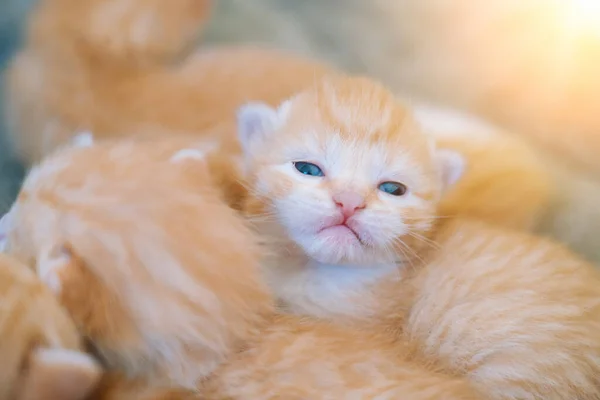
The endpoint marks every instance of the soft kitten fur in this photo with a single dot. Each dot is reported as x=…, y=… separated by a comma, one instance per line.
x=166, y=285
x=41, y=350
x=515, y=193
x=493, y=305
x=80, y=71
x=149, y=312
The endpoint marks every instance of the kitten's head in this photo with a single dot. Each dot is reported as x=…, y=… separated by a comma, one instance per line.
x=156, y=271
x=344, y=168
x=136, y=31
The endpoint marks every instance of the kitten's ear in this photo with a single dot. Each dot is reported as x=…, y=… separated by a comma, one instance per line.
x=83, y=139
x=452, y=166
x=255, y=121
x=52, y=264
x=59, y=374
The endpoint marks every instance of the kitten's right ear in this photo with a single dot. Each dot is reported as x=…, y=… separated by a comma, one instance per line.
x=452, y=166
x=59, y=374
x=255, y=121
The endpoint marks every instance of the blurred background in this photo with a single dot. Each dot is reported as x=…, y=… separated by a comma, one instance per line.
x=526, y=65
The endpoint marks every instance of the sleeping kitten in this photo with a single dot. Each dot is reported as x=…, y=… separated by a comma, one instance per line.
x=344, y=186
x=163, y=278
x=41, y=351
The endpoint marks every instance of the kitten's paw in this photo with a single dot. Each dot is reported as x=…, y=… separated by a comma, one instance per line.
x=60, y=374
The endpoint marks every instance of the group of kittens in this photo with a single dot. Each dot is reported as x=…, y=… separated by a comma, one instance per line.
x=240, y=223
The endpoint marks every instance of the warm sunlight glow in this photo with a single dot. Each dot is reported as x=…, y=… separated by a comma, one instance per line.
x=585, y=13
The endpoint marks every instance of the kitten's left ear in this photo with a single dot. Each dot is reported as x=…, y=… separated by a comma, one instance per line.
x=53, y=262
x=83, y=139
x=256, y=121
x=452, y=166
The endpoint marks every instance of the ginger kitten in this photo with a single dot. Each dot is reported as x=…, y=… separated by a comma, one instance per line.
x=163, y=279
x=345, y=188
x=343, y=180
x=104, y=222
x=41, y=350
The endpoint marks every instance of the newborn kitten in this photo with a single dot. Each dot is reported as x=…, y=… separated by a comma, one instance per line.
x=345, y=182
x=163, y=278
x=344, y=186
x=41, y=351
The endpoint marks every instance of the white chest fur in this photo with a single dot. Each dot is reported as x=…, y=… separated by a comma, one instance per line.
x=324, y=290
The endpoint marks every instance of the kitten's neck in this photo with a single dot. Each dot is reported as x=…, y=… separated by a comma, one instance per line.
x=304, y=286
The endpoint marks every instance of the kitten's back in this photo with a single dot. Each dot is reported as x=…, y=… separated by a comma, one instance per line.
x=517, y=314
x=138, y=243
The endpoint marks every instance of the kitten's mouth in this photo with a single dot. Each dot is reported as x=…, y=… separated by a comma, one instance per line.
x=342, y=230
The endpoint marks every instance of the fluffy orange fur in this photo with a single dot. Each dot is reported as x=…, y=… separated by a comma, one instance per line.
x=41, y=350
x=504, y=181
x=119, y=68
x=81, y=70
x=147, y=311
x=492, y=305
x=166, y=285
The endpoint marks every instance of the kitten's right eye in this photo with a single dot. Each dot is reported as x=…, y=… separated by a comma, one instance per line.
x=307, y=168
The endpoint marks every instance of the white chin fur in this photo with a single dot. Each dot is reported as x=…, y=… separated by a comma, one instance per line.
x=331, y=251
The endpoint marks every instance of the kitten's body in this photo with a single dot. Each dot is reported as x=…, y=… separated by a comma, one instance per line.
x=493, y=305
x=166, y=286
x=41, y=350
x=504, y=182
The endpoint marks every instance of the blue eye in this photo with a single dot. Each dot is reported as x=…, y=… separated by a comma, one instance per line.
x=307, y=168
x=393, y=188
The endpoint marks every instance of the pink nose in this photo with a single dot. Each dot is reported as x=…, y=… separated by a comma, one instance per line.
x=349, y=202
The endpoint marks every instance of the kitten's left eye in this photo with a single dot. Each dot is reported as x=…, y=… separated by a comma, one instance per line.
x=393, y=188
x=307, y=168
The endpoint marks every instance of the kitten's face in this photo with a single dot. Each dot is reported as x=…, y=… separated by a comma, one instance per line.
x=345, y=171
